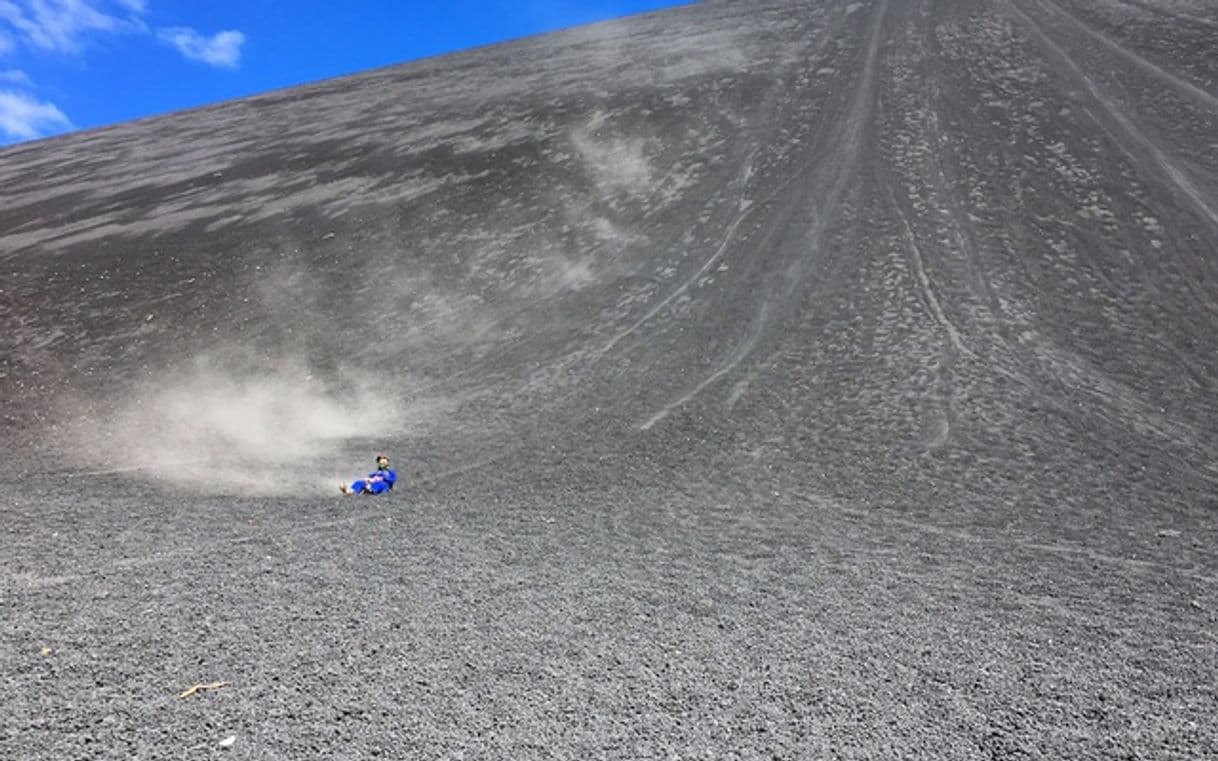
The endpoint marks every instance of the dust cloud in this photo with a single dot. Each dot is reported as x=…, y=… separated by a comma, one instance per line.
x=229, y=423
x=618, y=164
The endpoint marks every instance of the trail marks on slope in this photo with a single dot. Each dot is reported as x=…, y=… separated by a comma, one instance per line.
x=845, y=151
x=745, y=208
x=1130, y=138
x=1171, y=13
x=1153, y=69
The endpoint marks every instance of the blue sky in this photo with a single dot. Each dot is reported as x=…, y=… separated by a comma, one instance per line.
x=67, y=65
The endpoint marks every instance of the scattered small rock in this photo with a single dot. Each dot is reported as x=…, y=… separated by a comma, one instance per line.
x=1167, y=533
x=228, y=741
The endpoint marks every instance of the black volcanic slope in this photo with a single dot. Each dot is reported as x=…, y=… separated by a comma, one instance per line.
x=768, y=380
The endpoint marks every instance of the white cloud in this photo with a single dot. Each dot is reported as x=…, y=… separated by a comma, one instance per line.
x=68, y=27
x=24, y=118
x=16, y=77
x=222, y=49
x=61, y=25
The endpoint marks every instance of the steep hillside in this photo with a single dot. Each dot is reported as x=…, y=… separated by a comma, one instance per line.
x=789, y=379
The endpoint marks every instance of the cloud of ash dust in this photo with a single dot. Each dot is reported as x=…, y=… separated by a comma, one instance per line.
x=619, y=164
x=227, y=424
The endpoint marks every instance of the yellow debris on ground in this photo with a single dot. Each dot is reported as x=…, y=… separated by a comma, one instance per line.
x=201, y=687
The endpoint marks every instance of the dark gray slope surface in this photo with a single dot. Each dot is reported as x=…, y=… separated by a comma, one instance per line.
x=772, y=380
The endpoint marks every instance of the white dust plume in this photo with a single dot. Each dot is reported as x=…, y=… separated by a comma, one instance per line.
x=226, y=426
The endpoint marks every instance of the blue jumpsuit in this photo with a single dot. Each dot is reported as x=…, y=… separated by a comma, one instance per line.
x=377, y=482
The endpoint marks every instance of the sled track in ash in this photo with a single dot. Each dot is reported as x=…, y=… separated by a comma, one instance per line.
x=1175, y=81
x=1151, y=7
x=844, y=151
x=746, y=206
x=1123, y=129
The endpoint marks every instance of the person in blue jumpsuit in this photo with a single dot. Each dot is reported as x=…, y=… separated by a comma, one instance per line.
x=378, y=481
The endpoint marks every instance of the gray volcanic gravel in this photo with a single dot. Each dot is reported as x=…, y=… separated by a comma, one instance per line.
x=768, y=380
